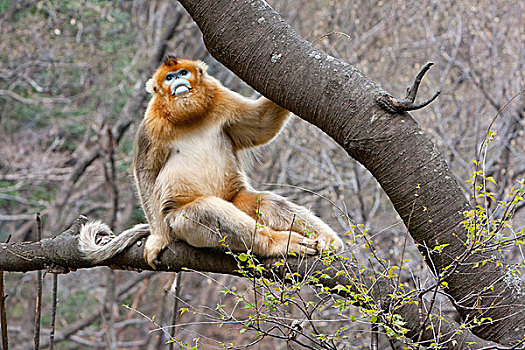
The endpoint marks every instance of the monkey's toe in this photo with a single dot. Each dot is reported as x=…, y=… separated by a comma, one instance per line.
x=309, y=246
x=151, y=257
x=332, y=244
x=152, y=248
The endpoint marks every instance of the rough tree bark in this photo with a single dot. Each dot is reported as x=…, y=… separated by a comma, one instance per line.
x=253, y=41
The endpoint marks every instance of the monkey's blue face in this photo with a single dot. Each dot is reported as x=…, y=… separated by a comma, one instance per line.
x=178, y=82
x=177, y=79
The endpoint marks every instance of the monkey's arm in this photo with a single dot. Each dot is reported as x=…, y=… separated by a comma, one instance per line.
x=149, y=157
x=254, y=123
x=146, y=166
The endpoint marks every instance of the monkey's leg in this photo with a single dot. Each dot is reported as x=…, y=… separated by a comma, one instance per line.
x=280, y=214
x=213, y=222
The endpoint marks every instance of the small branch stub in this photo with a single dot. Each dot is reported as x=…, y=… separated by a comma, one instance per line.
x=393, y=105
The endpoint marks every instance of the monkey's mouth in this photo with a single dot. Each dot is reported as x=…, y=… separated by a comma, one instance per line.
x=179, y=87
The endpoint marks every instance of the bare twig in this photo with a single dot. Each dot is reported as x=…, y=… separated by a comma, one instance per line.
x=40, y=100
x=111, y=335
x=38, y=305
x=339, y=35
x=174, y=317
x=478, y=155
x=53, y=312
x=393, y=105
x=112, y=179
x=166, y=290
x=374, y=336
x=110, y=301
x=3, y=313
x=3, y=317
x=152, y=320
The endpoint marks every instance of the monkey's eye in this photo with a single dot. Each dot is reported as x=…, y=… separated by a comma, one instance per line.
x=169, y=77
x=184, y=73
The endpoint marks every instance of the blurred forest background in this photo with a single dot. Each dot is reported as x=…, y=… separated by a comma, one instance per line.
x=72, y=77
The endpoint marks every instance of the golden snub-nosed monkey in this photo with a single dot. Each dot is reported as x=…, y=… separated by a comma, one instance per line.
x=189, y=178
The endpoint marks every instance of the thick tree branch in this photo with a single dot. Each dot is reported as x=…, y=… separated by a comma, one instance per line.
x=256, y=44
x=61, y=253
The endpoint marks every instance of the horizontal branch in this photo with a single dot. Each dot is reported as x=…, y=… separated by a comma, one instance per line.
x=61, y=254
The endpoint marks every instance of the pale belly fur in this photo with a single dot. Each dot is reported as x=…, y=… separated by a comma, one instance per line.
x=201, y=163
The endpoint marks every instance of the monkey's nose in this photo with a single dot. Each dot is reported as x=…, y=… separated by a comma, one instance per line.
x=180, y=86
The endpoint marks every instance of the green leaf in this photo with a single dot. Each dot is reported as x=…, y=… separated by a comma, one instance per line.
x=243, y=257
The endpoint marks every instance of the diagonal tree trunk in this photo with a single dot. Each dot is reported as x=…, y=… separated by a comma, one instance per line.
x=256, y=44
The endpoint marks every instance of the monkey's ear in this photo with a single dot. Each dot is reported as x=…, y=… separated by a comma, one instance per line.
x=151, y=86
x=202, y=67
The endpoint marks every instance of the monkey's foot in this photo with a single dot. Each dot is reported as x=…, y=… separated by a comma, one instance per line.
x=286, y=242
x=331, y=243
x=154, y=244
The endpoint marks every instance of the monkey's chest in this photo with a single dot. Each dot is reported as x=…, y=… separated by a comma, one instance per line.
x=203, y=165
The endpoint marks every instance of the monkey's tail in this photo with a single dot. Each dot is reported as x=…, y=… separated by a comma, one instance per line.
x=97, y=242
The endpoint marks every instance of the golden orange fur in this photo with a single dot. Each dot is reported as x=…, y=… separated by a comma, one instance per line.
x=191, y=183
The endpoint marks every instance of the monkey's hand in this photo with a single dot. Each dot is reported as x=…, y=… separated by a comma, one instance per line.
x=154, y=244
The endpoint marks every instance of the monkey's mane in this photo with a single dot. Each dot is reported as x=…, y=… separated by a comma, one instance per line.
x=170, y=60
